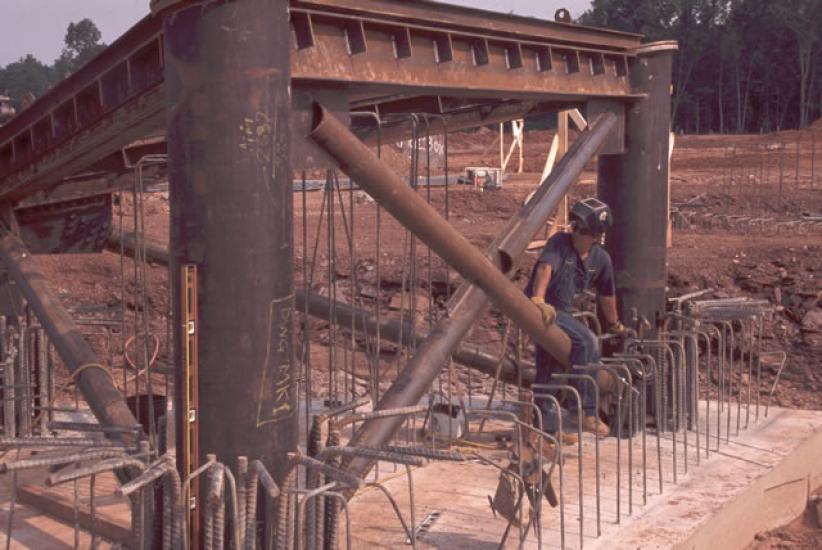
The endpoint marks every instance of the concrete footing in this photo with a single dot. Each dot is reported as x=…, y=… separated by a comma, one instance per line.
x=756, y=481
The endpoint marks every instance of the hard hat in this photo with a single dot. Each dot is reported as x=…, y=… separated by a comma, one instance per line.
x=592, y=214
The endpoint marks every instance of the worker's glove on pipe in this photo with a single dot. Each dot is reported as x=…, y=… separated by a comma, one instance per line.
x=617, y=329
x=549, y=314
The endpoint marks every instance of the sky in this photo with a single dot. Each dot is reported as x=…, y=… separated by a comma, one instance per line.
x=38, y=27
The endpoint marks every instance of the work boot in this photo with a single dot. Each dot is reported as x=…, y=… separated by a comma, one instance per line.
x=568, y=438
x=592, y=424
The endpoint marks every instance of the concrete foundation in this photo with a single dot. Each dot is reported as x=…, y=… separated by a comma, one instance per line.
x=759, y=480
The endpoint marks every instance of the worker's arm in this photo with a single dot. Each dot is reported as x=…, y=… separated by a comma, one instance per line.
x=607, y=305
x=606, y=297
x=541, y=279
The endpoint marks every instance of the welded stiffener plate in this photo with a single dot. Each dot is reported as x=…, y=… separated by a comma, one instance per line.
x=75, y=226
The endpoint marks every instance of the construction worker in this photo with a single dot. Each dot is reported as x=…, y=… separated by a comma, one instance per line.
x=569, y=264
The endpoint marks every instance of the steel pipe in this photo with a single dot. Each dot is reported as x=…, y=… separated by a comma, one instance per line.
x=411, y=210
x=96, y=384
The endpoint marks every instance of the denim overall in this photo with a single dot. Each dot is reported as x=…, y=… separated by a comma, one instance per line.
x=565, y=285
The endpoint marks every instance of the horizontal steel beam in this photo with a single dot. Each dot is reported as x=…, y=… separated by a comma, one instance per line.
x=452, y=17
x=363, y=321
x=97, y=141
x=374, y=48
x=400, y=128
x=127, y=243
x=403, y=58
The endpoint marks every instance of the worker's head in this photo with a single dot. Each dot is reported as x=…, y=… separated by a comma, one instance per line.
x=590, y=219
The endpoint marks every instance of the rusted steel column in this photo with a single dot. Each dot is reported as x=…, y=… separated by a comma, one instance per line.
x=635, y=185
x=471, y=300
x=97, y=387
x=227, y=76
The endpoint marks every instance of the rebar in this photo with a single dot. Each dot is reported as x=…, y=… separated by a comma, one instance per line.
x=377, y=454
x=423, y=452
x=41, y=441
x=595, y=387
x=580, y=415
x=97, y=468
x=46, y=461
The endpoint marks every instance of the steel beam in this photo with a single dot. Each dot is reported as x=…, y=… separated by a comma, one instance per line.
x=463, y=119
x=95, y=142
x=126, y=242
x=389, y=57
x=374, y=49
x=96, y=385
x=231, y=226
x=471, y=300
x=635, y=185
x=453, y=17
x=392, y=330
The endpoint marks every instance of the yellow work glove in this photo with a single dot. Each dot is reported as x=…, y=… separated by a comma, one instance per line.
x=617, y=328
x=549, y=314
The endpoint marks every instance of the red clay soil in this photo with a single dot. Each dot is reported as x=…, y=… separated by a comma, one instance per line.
x=803, y=532
x=712, y=177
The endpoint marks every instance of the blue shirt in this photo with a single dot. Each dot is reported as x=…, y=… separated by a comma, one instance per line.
x=570, y=275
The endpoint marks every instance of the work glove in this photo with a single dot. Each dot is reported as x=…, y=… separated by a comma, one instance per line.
x=549, y=314
x=617, y=329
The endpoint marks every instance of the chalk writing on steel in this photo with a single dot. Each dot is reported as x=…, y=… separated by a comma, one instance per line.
x=276, y=400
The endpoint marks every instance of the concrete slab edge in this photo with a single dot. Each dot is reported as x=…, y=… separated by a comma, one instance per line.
x=775, y=498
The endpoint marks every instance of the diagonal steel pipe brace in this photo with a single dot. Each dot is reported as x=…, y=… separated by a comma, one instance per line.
x=97, y=386
x=487, y=277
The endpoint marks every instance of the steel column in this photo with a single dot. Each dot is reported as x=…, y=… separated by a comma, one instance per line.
x=227, y=76
x=635, y=185
x=485, y=274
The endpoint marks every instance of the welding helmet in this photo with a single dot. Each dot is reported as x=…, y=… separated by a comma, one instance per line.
x=592, y=216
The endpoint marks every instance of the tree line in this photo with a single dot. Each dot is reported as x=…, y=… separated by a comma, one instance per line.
x=29, y=77
x=743, y=65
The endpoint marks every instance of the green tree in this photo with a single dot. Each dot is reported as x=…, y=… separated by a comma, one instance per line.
x=27, y=74
x=804, y=19
x=82, y=42
x=743, y=65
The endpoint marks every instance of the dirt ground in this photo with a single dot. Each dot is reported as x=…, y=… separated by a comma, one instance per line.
x=803, y=532
x=734, y=232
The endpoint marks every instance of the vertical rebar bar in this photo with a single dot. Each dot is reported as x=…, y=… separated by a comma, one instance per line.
x=580, y=414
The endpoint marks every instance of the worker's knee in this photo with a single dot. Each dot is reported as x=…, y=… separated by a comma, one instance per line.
x=591, y=346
